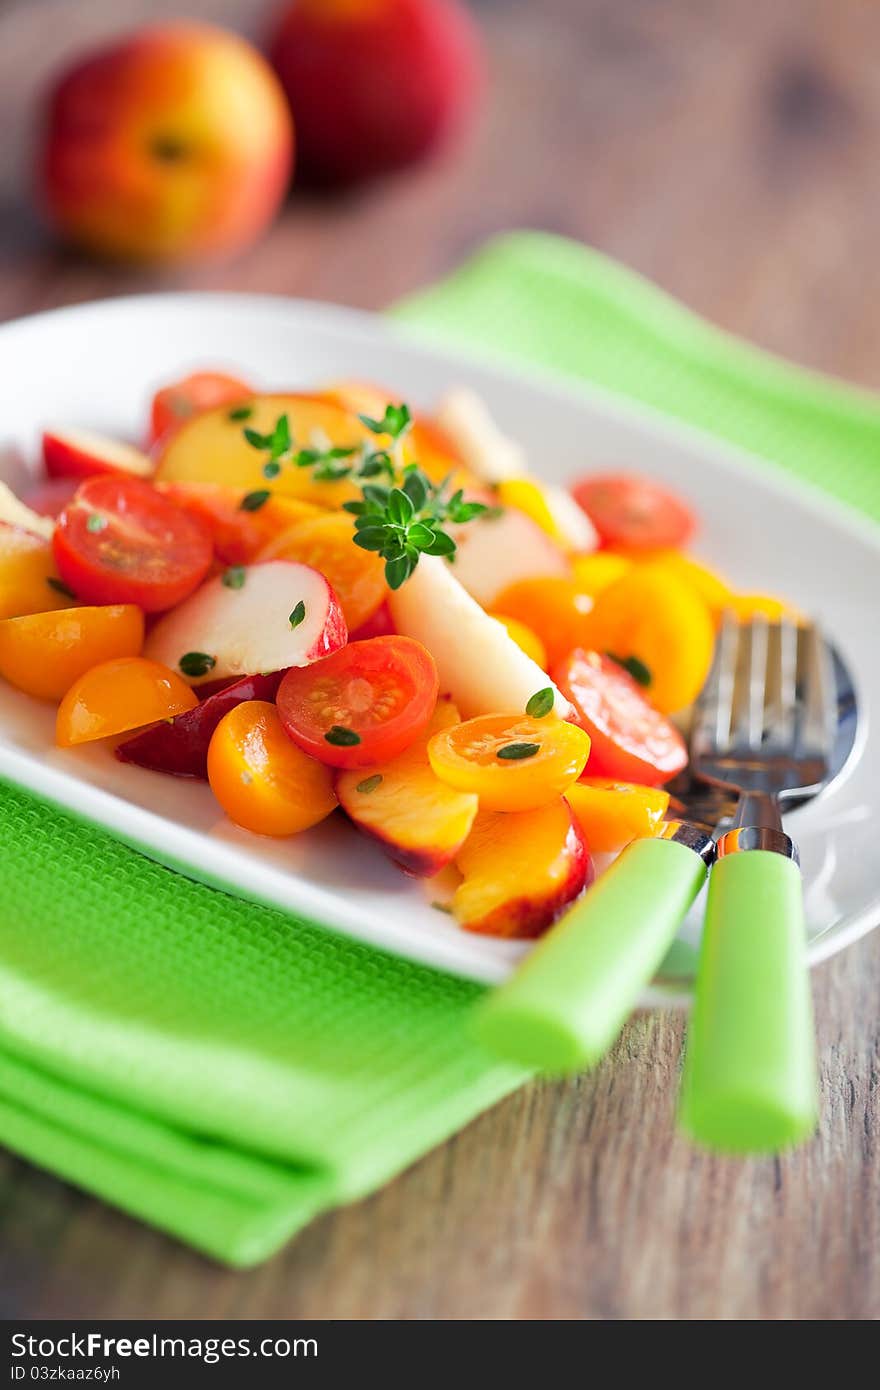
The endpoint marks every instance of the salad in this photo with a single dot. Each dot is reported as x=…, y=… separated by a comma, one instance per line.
x=325, y=604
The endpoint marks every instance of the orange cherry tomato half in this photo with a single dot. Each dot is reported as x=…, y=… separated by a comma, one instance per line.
x=631, y=741
x=263, y=781
x=44, y=653
x=120, y=541
x=201, y=391
x=633, y=512
x=362, y=705
x=512, y=762
x=120, y=695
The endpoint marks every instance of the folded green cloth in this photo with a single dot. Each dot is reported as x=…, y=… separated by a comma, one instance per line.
x=226, y=1072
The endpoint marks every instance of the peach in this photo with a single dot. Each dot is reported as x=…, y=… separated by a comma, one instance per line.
x=211, y=448
x=375, y=85
x=175, y=142
x=81, y=454
x=520, y=870
x=420, y=822
x=28, y=575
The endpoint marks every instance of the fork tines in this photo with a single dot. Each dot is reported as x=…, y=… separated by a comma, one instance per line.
x=770, y=692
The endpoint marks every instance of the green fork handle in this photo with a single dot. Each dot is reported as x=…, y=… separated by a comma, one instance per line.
x=564, y=1006
x=749, y=1083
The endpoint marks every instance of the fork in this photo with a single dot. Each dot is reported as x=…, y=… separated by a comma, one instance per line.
x=763, y=726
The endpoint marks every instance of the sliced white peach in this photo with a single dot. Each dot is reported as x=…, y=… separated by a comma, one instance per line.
x=284, y=614
x=81, y=454
x=482, y=447
x=14, y=512
x=573, y=527
x=480, y=665
x=498, y=549
x=420, y=822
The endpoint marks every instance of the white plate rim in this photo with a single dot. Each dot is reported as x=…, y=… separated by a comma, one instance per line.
x=152, y=834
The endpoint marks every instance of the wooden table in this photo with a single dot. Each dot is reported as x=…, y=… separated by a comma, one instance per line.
x=731, y=153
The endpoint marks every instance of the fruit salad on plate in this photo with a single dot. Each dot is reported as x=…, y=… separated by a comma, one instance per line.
x=325, y=604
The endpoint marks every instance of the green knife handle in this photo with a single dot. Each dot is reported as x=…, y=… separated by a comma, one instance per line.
x=564, y=1006
x=749, y=1083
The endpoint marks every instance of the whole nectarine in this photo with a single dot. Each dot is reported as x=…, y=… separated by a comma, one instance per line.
x=173, y=143
x=374, y=84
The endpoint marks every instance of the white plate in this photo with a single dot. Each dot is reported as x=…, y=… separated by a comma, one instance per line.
x=96, y=366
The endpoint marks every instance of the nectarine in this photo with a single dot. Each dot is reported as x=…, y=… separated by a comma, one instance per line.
x=174, y=142
x=375, y=85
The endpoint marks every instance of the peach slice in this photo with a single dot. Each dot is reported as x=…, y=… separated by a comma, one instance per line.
x=81, y=454
x=212, y=448
x=419, y=821
x=28, y=575
x=521, y=869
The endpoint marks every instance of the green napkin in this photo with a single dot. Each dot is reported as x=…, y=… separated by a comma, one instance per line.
x=226, y=1072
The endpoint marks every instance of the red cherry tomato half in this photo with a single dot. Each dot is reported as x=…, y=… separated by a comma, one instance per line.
x=201, y=391
x=120, y=541
x=362, y=705
x=633, y=513
x=631, y=741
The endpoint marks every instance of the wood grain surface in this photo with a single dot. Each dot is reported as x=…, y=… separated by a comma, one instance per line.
x=731, y=153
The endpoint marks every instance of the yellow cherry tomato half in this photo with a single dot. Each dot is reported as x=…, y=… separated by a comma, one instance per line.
x=44, y=653
x=593, y=573
x=263, y=781
x=527, y=640
x=612, y=813
x=120, y=695
x=656, y=625
x=512, y=762
x=715, y=592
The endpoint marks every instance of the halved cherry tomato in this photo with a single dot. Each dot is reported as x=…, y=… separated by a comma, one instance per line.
x=120, y=695
x=325, y=542
x=631, y=741
x=553, y=607
x=715, y=592
x=593, y=573
x=512, y=762
x=201, y=391
x=238, y=535
x=44, y=653
x=362, y=705
x=120, y=541
x=658, y=624
x=632, y=512
x=611, y=814
x=262, y=780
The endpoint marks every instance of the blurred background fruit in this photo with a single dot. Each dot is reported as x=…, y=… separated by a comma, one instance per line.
x=375, y=85
x=172, y=143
